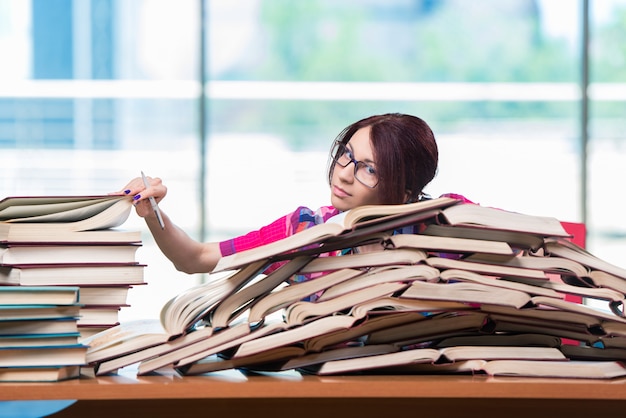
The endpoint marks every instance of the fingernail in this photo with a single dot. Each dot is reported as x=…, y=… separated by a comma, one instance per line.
x=137, y=197
x=127, y=191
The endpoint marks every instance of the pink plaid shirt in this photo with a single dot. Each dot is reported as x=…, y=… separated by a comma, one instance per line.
x=298, y=220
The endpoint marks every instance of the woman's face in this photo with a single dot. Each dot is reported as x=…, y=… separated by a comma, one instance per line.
x=346, y=192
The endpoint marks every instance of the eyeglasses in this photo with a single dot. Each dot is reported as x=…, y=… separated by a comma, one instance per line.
x=363, y=172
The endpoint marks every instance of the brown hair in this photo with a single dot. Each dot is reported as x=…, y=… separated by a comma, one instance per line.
x=405, y=151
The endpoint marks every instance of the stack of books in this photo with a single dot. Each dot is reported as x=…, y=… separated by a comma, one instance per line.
x=478, y=290
x=72, y=241
x=39, y=338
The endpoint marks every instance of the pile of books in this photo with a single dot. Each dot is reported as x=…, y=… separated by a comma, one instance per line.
x=39, y=338
x=54, y=244
x=478, y=290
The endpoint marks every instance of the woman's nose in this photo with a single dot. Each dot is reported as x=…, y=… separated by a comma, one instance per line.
x=346, y=173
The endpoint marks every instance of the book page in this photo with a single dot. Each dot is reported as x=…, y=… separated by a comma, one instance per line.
x=74, y=207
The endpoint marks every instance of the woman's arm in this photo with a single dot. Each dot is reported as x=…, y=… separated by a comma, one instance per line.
x=187, y=254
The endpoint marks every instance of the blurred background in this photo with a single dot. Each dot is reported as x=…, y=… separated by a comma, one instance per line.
x=234, y=104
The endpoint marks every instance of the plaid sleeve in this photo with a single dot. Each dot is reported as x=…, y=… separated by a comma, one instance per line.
x=300, y=219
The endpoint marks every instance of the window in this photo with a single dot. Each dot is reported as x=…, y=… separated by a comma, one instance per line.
x=93, y=92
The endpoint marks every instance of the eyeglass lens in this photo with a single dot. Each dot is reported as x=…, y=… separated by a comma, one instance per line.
x=363, y=172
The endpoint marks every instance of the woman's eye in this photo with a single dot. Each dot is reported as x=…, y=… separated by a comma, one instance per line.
x=370, y=170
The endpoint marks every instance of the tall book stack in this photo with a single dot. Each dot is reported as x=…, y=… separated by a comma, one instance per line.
x=39, y=338
x=477, y=290
x=72, y=241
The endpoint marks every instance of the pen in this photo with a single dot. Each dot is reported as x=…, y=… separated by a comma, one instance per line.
x=153, y=202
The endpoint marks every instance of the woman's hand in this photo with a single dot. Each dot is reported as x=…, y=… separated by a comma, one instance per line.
x=187, y=254
x=140, y=193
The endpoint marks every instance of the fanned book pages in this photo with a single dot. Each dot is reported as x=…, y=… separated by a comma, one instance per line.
x=124, y=338
x=62, y=209
x=57, y=219
x=190, y=349
x=238, y=303
x=183, y=311
x=144, y=340
x=300, y=313
x=285, y=296
x=601, y=278
x=154, y=352
x=138, y=340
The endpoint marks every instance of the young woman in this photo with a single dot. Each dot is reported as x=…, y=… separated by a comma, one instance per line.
x=382, y=159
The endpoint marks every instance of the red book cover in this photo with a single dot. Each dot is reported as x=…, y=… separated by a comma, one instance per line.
x=579, y=235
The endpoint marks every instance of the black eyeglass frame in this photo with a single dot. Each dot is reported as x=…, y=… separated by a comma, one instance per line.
x=339, y=150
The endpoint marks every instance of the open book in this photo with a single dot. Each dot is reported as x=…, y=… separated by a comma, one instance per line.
x=433, y=355
x=574, y=369
x=56, y=209
x=517, y=239
x=373, y=218
x=565, y=249
x=430, y=328
x=490, y=218
x=179, y=324
x=281, y=358
x=58, y=219
x=371, y=323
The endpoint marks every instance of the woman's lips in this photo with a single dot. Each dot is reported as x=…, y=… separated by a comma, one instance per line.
x=339, y=192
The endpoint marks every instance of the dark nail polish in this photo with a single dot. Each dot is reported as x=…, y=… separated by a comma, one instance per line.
x=127, y=191
x=137, y=197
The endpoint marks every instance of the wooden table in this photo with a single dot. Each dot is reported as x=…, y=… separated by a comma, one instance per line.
x=231, y=394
